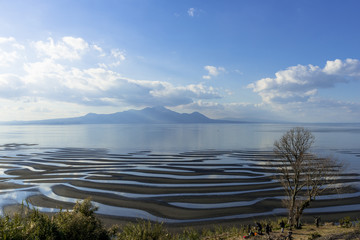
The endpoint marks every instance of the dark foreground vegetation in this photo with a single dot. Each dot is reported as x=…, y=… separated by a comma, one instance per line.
x=81, y=223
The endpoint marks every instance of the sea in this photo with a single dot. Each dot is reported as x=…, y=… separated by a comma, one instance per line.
x=158, y=151
x=339, y=140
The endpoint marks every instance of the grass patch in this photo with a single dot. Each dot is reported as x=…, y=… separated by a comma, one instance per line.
x=81, y=223
x=143, y=230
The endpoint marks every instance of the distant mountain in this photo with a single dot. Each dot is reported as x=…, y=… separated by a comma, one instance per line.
x=150, y=115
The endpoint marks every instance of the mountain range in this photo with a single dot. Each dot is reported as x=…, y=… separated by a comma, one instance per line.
x=150, y=115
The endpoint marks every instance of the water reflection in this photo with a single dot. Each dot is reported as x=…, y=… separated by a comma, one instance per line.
x=140, y=183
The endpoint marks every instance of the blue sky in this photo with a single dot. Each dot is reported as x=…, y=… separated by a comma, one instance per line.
x=265, y=59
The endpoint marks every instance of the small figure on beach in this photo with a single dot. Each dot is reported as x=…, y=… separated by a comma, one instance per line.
x=251, y=233
x=267, y=229
x=317, y=221
x=289, y=236
x=259, y=228
x=282, y=226
x=248, y=229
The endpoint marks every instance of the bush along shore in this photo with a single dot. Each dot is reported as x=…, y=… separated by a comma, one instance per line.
x=82, y=223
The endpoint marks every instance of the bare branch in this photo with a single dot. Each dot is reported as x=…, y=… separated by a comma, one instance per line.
x=303, y=175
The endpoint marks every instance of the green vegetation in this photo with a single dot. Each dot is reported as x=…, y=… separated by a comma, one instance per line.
x=143, y=230
x=345, y=222
x=81, y=223
x=314, y=235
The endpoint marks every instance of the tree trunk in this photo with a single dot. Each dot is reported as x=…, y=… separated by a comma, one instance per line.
x=292, y=211
x=299, y=212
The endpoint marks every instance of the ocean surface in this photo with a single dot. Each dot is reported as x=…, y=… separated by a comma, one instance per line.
x=175, y=137
x=337, y=139
x=46, y=159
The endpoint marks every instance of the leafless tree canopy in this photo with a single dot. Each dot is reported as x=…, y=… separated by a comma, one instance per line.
x=303, y=175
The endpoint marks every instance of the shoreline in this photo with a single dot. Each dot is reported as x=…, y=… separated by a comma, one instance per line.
x=110, y=221
x=187, y=189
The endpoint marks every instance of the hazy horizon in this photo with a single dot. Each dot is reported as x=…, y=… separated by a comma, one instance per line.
x=220, y=120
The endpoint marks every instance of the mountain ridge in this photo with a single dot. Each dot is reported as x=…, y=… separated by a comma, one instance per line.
x=149, y=115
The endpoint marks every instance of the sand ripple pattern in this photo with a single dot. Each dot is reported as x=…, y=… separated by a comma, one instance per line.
x=176, y=188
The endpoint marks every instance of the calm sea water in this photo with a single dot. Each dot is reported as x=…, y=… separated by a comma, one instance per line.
x=340, y=140
x=159, y=148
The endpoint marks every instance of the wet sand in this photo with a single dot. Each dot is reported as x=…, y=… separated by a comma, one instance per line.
x=195, y=188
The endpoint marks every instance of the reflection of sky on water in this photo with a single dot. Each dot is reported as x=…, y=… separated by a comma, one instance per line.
x=170, y=138
x=209, y=176
x=144, y=195
x=14, y=197
x=344, y=208
x=350, y=158
x=249, y=203
x=340, y=142
x=3, y=174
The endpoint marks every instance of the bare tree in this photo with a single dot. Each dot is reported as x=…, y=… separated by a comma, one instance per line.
x=303, y=175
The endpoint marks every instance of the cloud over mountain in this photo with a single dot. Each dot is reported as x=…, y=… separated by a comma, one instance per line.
x=55, y=70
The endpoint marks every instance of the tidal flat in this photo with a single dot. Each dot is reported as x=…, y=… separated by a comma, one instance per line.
x=183, y=188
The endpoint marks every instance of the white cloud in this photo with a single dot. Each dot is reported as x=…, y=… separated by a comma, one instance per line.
x=10, y=51
x=46, y=72
x=171, y=95
x=6, y=40
x=8, y=57
x=233, y=110
x=53, y=75
x=116, y=53
x=114, y=59
x=68, y=48
x=76, y=43
x=10, y=85
x=119, y=57
x=213, y=71
x=99, y=50
x=294, y=93
x=191, y=12
x=12, y=42
x=349, y=67
x=300, y=83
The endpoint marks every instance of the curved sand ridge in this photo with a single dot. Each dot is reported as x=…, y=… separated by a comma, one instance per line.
x=175, y=188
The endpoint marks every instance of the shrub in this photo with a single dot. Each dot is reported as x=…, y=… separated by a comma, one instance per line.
x=143, y=230
x=39, y=226
x=314, y=236
x=27, y=225
x=189, y=234
x=345, y=222
x=81, y=223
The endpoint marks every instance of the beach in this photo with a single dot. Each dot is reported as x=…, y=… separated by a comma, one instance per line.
x=183, y=189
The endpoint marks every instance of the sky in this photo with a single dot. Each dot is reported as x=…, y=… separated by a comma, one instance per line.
x=283, y=60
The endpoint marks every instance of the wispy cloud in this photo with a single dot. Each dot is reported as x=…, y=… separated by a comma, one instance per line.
x=191, y=12
x=10, y=51
x=69, y=48
x=212, y=71
x=53, y=74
